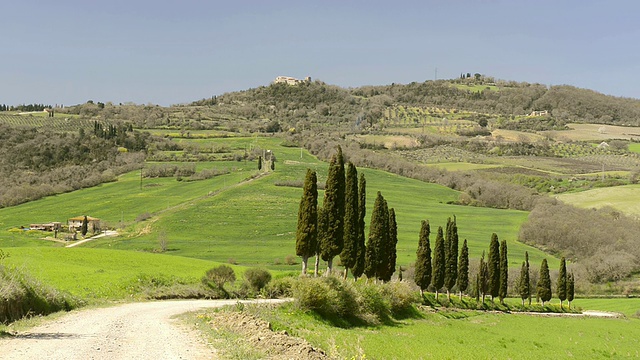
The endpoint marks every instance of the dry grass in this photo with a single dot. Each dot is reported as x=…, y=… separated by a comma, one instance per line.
x=598, y=132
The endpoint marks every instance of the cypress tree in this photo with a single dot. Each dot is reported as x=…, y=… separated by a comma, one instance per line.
x=544, y=283
x=570, y=289
x=322, y=233
x=259, y=162
x=483, y=278
x=451, y=249
x=524, y=288
x=84, y=228
x=422, y=274
x=331, y=244
x=307, y=231
x=349, y=253
x=561, y=288
x=358, y=268
x=504, y=271
x=463, y=269
x=493, y=266
x=439, y=262
x=526, y=260
x=378, y=237
x=391, y=246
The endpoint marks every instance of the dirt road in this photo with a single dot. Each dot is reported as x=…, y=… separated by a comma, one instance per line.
x=129, y=331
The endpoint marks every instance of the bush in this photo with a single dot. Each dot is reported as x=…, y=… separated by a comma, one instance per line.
x=279, y=288
x=218, y=276
x=400, y=297
x=328, y=296
x=257, y=278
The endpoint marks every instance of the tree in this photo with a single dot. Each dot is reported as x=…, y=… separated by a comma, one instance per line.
x=322, y=232
x=307, y=231
x=331, y=244
x=439, y=262
x=349, y=253
x=482, y=278
x=526, y=260
x=259, y=162
x=544, y=283
x=392, y=243
x=523, y=284
x=570, y=289
x=504, y=271
x=463, y=269
x=85, y=226
x=561, y=285
x=451, y=256
x=378, y=238
x=493, y=265
x=422, y=274
x=358, y=268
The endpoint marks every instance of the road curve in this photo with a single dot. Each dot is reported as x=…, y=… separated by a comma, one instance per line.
x=129, y=331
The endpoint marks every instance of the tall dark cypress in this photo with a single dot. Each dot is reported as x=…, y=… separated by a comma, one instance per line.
x=358, y=268
x=84, y=228
x=483, y=277
x=523, y=284
x=392, y=243
x=422, y=274
x=349, y=253
x=307, y=231
x=544, y=283
x=493, y=265
x=463, y=269
x=451, y=251
x=331, y=244
x=504, y=272
x=526, y=260
x=439, y=263
x=570, y=289
x=322, y=233
x=378, y=237
x=561, y=288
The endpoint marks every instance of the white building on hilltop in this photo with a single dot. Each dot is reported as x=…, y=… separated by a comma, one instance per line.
x=290, y=80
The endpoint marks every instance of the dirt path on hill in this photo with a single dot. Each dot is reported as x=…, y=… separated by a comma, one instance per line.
x=128, y=331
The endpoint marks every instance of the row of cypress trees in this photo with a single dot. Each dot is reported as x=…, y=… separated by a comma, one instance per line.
x=444, y=269
x=337, y=228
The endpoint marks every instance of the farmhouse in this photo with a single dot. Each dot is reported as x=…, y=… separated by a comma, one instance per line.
x=75, y=223
x=290, y=80
x=52, y=226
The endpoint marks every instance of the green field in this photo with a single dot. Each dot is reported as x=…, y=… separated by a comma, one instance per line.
x=622, y=198
x=468, y=335
x=245, y=218
x=103, y=273
x=628, y=306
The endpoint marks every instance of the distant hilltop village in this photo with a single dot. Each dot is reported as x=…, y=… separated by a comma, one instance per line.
x=291, y=80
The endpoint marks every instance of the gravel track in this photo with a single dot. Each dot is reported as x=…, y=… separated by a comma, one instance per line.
x=129, y=331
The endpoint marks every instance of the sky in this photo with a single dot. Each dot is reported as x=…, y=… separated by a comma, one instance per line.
x=170, y=52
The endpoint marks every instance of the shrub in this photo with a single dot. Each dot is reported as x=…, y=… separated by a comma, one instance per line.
x=400, y=297
x=257, y=278
x=328, y=296
x=219, y=276
x=281, y=287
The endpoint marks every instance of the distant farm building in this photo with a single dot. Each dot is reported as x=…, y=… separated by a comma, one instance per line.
x=52, y=226
x=539, y=113
x=75, y=223
x=290, y=80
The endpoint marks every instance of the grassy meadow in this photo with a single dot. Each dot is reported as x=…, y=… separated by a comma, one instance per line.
x=622, y=198
x=242, y=217
x=457, y=334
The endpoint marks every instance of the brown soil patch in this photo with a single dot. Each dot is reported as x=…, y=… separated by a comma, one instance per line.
x=277, y=345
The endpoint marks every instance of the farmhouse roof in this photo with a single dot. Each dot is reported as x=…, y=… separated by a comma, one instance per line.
x=81, y=218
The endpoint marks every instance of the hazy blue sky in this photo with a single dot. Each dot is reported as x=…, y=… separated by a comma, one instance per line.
x=168, y=52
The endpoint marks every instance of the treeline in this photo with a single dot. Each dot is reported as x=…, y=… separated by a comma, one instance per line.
x=37, y=163
x=25, y=107
x=604, y=242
